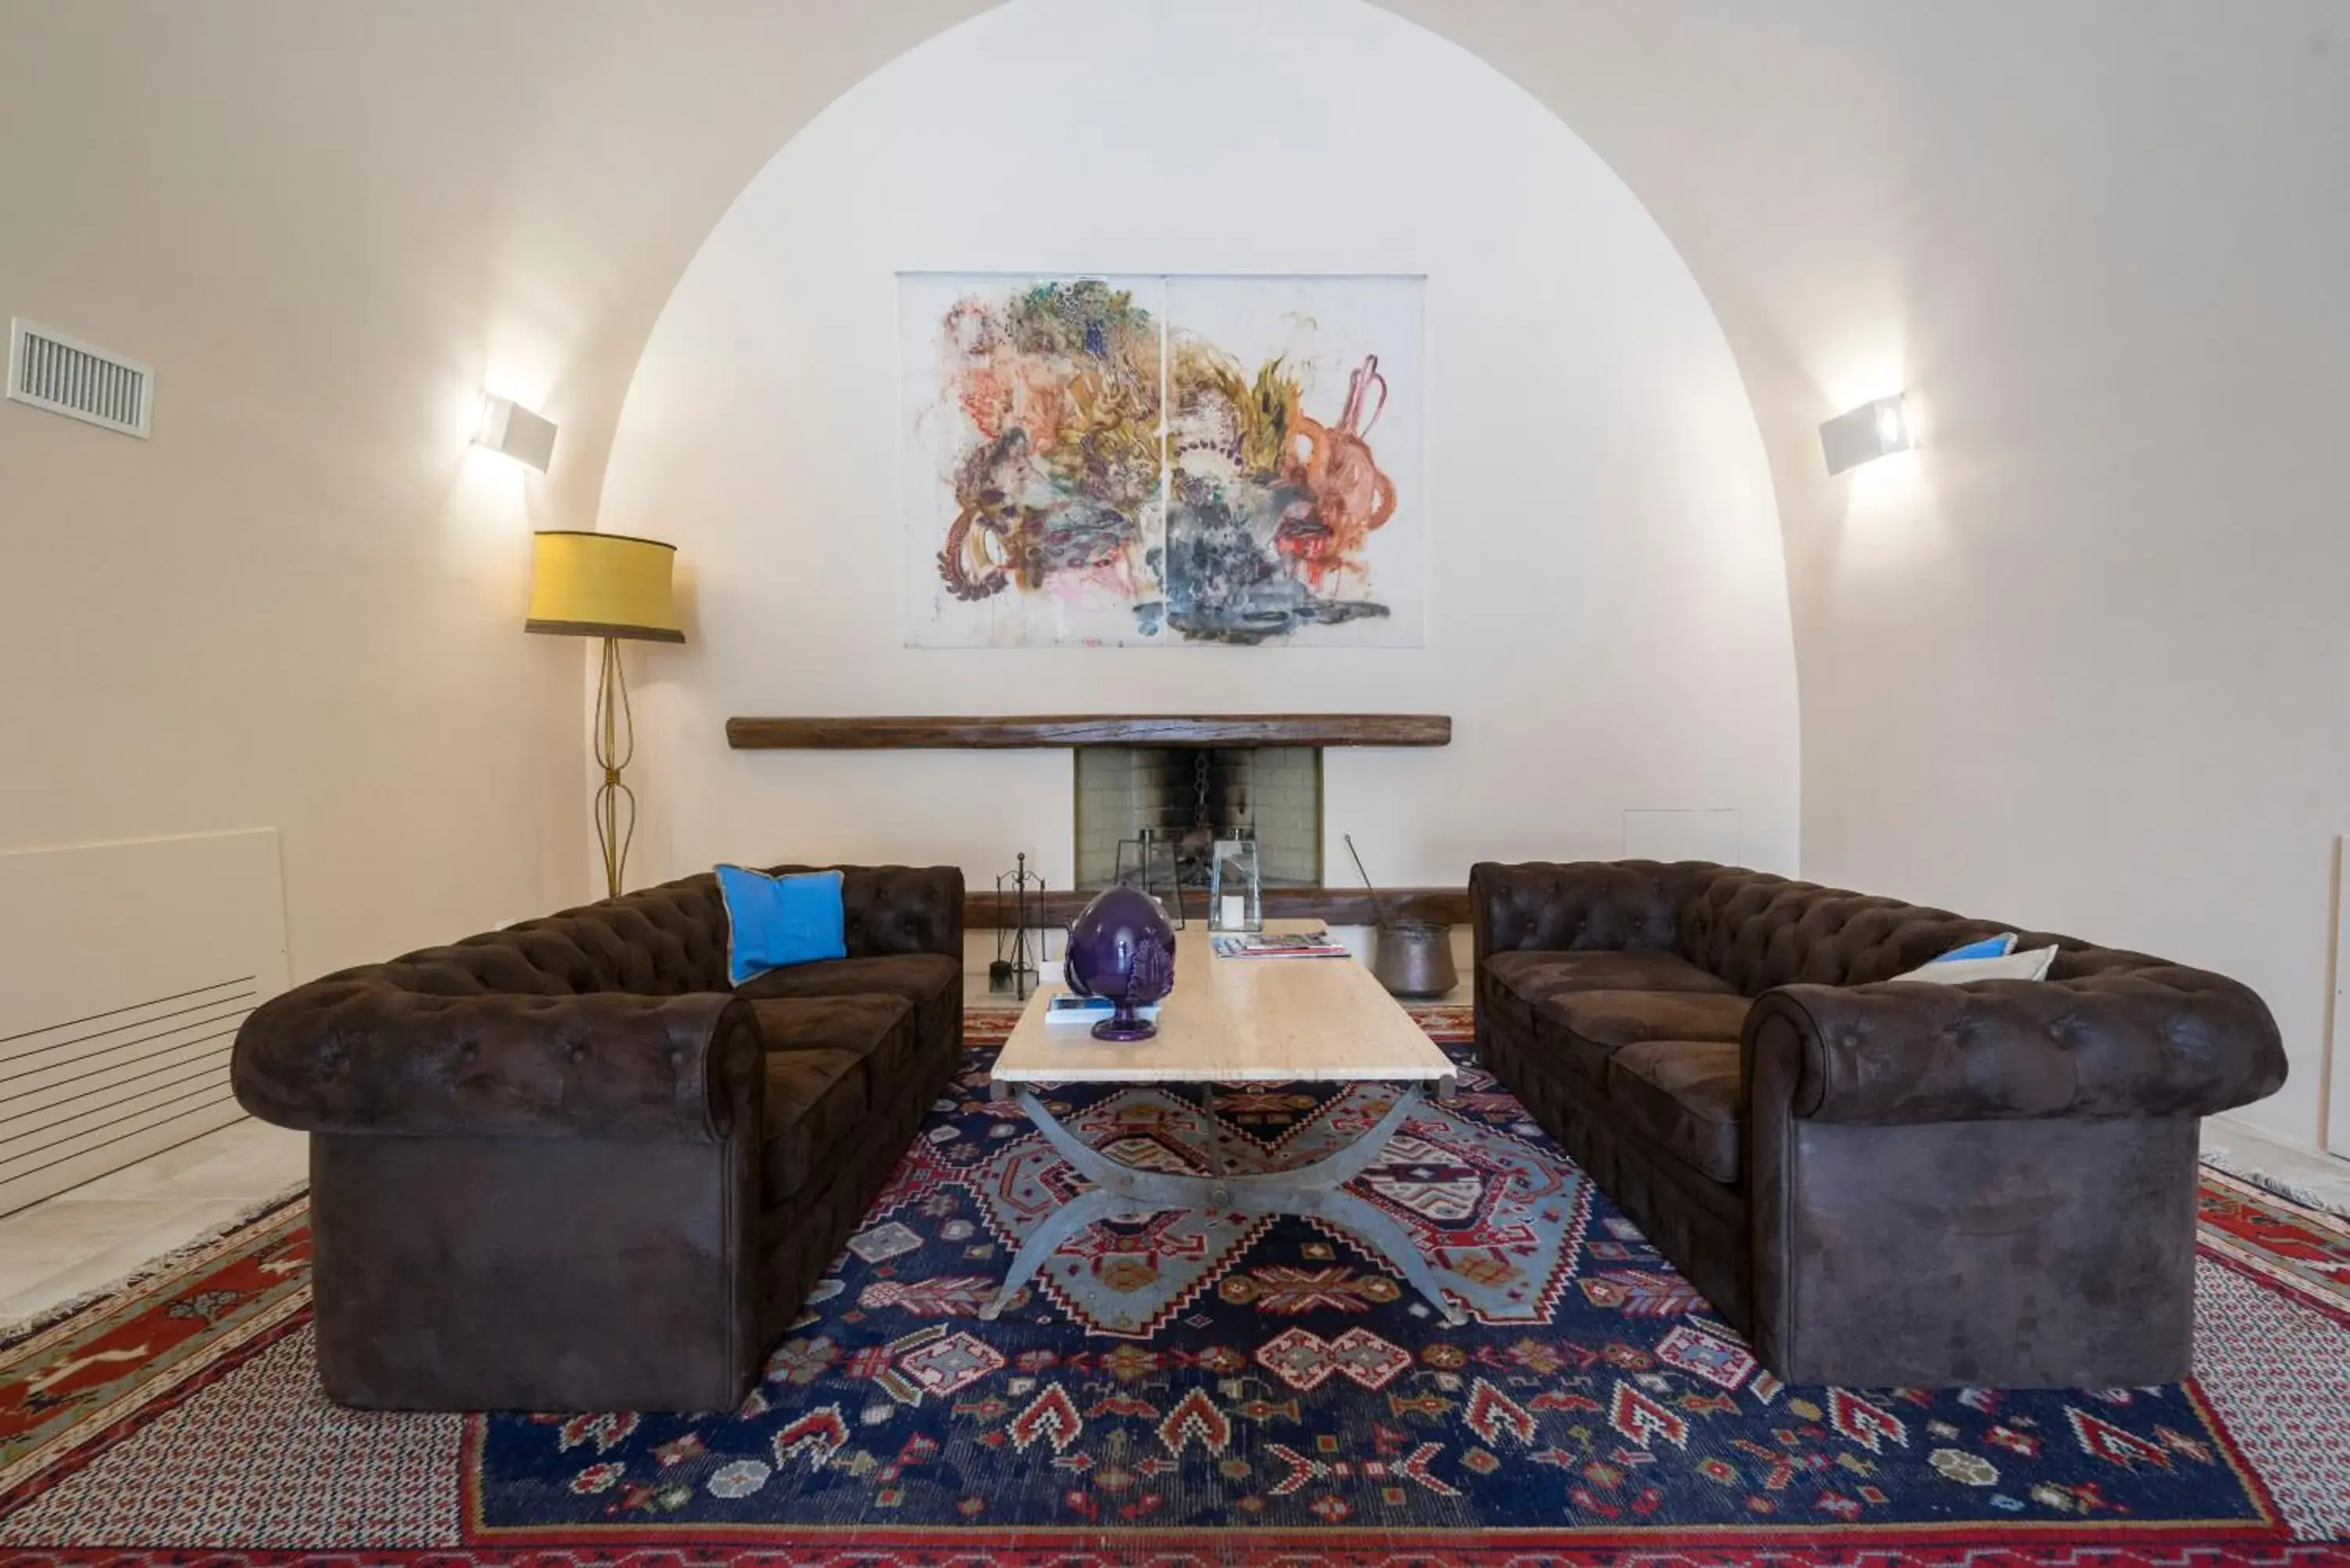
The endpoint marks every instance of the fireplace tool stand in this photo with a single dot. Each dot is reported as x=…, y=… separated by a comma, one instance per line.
x=1020, y=945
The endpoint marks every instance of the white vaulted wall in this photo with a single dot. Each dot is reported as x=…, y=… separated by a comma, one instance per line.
x=1607, y=624
x=2077, y=663
x=329, y=228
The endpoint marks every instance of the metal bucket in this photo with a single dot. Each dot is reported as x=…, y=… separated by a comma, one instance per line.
x=1414, y=958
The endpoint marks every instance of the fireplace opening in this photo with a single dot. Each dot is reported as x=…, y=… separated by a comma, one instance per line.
x=1189, y=796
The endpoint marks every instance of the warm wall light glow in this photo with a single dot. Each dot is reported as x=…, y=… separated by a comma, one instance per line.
x=1872, y=430
x=507, y=427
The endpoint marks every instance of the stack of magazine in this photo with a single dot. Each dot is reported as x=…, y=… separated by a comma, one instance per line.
x=1089, y=1009
x=1289, y=945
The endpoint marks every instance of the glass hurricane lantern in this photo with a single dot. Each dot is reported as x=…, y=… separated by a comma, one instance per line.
x=1235, y=890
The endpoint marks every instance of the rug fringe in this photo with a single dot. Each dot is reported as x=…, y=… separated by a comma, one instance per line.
x=2219, y=1160
x=16, y=1331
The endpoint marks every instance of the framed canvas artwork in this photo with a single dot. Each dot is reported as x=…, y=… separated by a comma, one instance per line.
x=1162, y=460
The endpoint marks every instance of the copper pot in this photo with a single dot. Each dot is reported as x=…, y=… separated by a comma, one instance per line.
x=1414, y=958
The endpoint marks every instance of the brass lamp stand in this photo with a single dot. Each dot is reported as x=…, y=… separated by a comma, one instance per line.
x=614, y=742
x=613, y=587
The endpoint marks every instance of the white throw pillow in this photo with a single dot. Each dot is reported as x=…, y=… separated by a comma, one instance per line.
x=2029, y=965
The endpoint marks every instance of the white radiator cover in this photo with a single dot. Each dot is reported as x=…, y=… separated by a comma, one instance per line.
x=125, y=968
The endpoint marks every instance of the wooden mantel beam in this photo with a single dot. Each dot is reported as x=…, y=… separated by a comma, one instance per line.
x=1070, y=730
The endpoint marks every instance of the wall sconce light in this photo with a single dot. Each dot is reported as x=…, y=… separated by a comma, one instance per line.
x=508, y=427
x=1866, y=433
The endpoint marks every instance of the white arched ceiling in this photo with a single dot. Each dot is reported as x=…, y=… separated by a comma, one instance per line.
x=1606, y=616
x=2081, y=661
x=2076, y=662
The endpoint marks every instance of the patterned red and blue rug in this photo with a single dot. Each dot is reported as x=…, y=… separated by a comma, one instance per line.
x=1197, y=1388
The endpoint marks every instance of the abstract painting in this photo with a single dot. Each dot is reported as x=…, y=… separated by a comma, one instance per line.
x=1148, y=461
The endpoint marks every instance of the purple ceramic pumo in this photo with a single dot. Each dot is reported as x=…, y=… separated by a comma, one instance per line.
x=1122, y=948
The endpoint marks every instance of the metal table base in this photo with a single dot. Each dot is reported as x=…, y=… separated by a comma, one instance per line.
x=1315, y=1192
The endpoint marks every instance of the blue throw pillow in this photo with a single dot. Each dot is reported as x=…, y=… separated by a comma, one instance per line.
x=1999, y=946
x=774, y=921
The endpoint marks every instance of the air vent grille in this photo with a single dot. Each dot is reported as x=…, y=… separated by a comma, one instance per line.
x=50, y=371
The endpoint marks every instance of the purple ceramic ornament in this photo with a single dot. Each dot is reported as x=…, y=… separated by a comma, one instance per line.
x=1121, y=947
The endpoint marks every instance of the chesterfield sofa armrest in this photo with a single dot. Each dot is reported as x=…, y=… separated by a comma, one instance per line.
x=1562, y=906
x=350, y=1055
x=2159, y=1041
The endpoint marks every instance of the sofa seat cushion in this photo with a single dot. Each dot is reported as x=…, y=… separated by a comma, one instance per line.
x=930, y=983
x=1588, y=1027
x=831, y=1062
x=1684, y=1094
x=879, y=1029
x=1536, y=975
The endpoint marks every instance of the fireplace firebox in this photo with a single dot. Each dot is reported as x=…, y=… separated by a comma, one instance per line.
x=1189, y=796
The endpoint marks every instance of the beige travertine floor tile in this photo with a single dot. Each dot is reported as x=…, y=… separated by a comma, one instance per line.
x=247, y=1159
x=90, y=1237
x=2248, y=1148
x=113, y=1239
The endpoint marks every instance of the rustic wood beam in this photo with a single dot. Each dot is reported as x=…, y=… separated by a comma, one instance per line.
x=1047, y=731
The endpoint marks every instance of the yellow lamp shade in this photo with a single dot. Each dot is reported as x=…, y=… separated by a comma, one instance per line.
x=602, y=585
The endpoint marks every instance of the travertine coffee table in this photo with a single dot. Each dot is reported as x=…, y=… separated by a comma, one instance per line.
x=1233, y=1021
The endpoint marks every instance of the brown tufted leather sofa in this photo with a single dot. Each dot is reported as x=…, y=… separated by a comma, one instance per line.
x=566, y=1165
x=1879, y=1184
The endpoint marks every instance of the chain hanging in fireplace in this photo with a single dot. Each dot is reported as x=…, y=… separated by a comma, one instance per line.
x=1215, y=814
x=1186, y=798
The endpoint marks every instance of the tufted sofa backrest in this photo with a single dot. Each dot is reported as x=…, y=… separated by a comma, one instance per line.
x=895, y=909
x=1573, y=907
x=670, y=939
x=1758, y=932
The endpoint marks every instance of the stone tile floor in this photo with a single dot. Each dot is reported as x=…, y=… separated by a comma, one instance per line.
x=107, y=1230
x=2248, y=1150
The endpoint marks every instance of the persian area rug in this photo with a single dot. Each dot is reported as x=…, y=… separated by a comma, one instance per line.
x=1191, y=1390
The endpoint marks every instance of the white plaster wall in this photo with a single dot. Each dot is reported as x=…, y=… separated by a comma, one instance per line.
x=1608, y=620
x=329, y=228
x=2079, y=662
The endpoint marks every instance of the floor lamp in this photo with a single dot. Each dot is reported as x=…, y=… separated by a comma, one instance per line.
x=613, y=587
